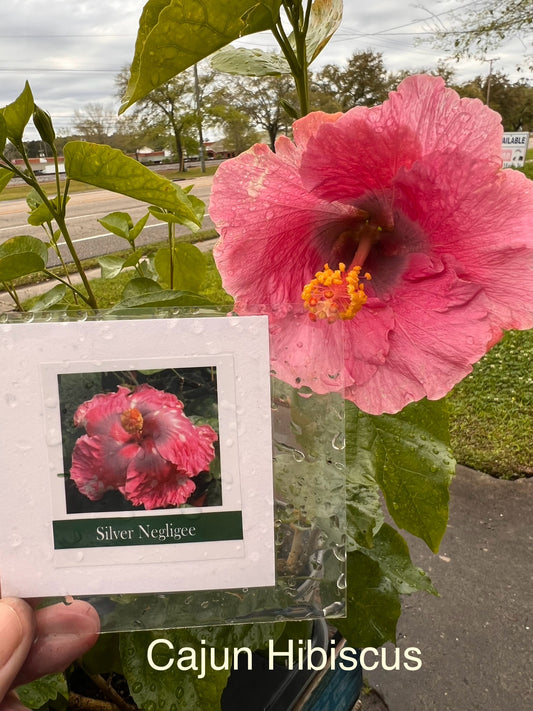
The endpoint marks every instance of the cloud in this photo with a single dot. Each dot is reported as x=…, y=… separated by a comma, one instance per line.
x=71, y=51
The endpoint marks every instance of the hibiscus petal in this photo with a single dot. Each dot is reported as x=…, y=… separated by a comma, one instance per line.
x=363, y=150
x=99, y=464
x=266, y=217
x=148, y=399
x=177, y=440
x=156, y=483
x=101, y=414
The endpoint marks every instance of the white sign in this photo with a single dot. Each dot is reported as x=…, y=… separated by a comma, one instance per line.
x=514, y=148
x=136, y=456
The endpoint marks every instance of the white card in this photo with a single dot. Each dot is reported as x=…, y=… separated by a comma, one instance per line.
x=136, y=456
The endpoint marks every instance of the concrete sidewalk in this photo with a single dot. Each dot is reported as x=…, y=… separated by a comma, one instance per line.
x=476, y=640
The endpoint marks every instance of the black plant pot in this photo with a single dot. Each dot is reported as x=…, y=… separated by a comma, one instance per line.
x=284, y=689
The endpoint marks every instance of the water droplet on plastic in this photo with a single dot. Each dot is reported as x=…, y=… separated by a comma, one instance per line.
x=14, y=540
x=338, y=442
x=341, y=582
x=53, y=437
x=137, y=687
x=11, y=399
x=298, y=456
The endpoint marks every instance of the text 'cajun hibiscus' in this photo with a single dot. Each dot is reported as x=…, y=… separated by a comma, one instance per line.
x=394, y=225
x=140, y=443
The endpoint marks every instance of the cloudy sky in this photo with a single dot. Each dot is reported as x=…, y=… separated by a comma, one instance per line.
x=71, y=50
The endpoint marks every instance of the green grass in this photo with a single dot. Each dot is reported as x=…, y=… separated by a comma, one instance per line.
x=492, y=410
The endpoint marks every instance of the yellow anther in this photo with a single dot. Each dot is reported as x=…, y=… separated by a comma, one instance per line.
x=335, y=294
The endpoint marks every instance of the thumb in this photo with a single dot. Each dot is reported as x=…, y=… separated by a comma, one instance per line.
x=16, y=637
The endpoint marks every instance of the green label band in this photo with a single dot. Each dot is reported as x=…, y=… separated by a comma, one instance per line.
x=148, y=530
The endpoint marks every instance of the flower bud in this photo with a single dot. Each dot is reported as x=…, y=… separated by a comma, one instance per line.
x=43, y=123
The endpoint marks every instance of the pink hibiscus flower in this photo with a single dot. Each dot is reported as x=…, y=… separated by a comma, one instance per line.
x=399, y=230
x=140, y=443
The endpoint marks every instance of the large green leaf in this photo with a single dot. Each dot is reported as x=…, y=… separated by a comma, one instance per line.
x=363, y=515
x=20, y=256
x=110, y=169
x=249, y=62
x=175, y=34
x=408, y=455
x=390, y=551
x=326, y=17
x=17, y=114
x=51, y=299
x=373, y=605
x=189, y=270
x=180, y=686
x=39, y=692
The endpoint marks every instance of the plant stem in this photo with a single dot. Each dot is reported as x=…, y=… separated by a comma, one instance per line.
x=61, y=223
x=70, y=285
x=13, y=294
x=58, y=213
x=296, y=53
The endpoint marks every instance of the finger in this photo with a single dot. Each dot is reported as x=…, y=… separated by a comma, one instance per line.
x=12, y=703
x=64, y=632
x=16, y=636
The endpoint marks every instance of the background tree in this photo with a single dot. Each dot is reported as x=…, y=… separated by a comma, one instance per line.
x=170, y=111
x=476, y=28
x=364, y=81
x=512, y=100
x=95, y=122
x=259, y=98
x=238, y=132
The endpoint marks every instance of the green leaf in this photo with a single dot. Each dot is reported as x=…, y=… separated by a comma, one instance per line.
x=133, y=259
x=47, y=688
x=289, y=109
x=50, y=299
x=3, y=132
x=119, y=223
x=326, y=17
x=408, y=455
x=139, y=226
x=175, y=34
x=178, y=687
x=373, y=604
x=110, y=169
x=190, y=267
x=111, y=266
x=161, y=299
x=20, y=256
x=139, y=287
x=249, y=62
x=104, y=657
x=391, y=553
x=17, y=115
x=5, y=177
x=363, y=515
x=173, y=218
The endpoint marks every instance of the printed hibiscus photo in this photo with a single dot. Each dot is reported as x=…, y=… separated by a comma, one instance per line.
x=140, y=440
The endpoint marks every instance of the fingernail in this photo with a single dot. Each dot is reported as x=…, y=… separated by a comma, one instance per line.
x=11, y=633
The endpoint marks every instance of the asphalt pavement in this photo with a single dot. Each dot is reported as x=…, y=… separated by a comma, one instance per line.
x=476, y=639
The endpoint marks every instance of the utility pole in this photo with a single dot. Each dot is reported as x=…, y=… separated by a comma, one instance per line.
x=200, y=133
x=489, y=78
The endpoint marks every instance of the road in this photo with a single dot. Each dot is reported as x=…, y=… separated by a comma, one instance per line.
x=84, y=209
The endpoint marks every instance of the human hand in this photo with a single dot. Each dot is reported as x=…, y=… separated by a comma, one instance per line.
x=35, y=643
